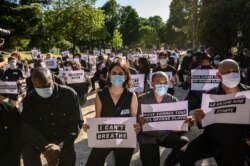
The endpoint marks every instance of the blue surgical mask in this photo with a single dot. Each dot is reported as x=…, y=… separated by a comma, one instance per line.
x=216, y=62
x=44, y=92
x=117, y=80
x=161, y=89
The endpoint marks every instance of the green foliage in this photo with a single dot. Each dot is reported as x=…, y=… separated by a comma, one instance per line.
x=117, y=39
x=130, y=25
x=73, y=20
x=148, y=36
x=112, y=16
x=221, y=21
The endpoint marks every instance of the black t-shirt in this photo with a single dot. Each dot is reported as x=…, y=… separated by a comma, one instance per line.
x=169, y=68
x=121, y=109
x=12, y=75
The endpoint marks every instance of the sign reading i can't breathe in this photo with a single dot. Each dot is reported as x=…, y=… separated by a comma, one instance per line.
x=204, y=79
x=230, y=108
x=8, y=87
x=111, y=132
x=138, y=83
x=165, y=116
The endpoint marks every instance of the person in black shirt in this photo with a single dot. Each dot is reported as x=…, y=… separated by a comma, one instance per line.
x=115, y=101
x=51, y=121
x=13, y=74
x=224, y=142
x=163, y=58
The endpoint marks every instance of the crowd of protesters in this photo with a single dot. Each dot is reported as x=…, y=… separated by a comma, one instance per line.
x=50, y=119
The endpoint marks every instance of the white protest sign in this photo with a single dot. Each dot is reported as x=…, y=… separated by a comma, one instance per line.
x=138, y=83
x=111, y=132
x=65, y=53
x=96, y=52
x=51, y=63
x=107, y=51
x=165, y=116
x=92, y=60
x=76, y=60
x=137, y=56
x=8, y=87
x=231, y=108
x=130, y=56
x=85, y=58
x=153, y=58
x=73, y=76
x=36, y=54
x=204, y=79
x=169, y=74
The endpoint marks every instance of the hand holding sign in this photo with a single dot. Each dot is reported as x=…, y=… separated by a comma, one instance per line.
x=137, y=128
x=199, y=115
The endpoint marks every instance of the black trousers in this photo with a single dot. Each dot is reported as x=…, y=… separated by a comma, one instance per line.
x=180, y=74
x=31, y=156
x=229, y=154
x=150, y=154
x=98, y=155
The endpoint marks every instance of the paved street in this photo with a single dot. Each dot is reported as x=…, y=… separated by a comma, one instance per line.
x=83, y=150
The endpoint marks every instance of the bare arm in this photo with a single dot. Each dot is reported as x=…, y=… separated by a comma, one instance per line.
x=134, y=105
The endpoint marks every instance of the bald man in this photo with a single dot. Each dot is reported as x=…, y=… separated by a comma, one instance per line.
x=52, y=120
x=223, y=142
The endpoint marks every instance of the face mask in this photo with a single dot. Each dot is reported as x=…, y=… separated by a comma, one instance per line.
x=117, y=80
x=216, y=62
x=189, y=55
x=44, y=92
x=163, y=61
x=161, y=89
x=231, y=80
x=12, y=65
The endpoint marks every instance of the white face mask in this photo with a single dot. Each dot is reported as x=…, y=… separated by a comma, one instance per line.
x=163, y=61
x=44, y=92
x=231, y=80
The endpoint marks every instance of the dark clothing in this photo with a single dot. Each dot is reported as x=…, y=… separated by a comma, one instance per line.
x=98, y=155
x=151, y=140
x=103, y=83
x=31, y=156
x=10, y=135
x=185, y=68
x=194, y=96
x=13, y=75
x=150, y=153
x=221, y=141
x=109, y=109
x=132, y=70
x=57, y=119
x=30, y=86
x=121, y=109
x=171, y=69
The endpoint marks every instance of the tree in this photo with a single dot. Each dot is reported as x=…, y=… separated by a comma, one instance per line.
x=22, y=20
x=178, y=27
x=148, y=36
x=129, y=25
x=220, y=22
x=117, y=39
x=112, y=16
x=74, y=20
